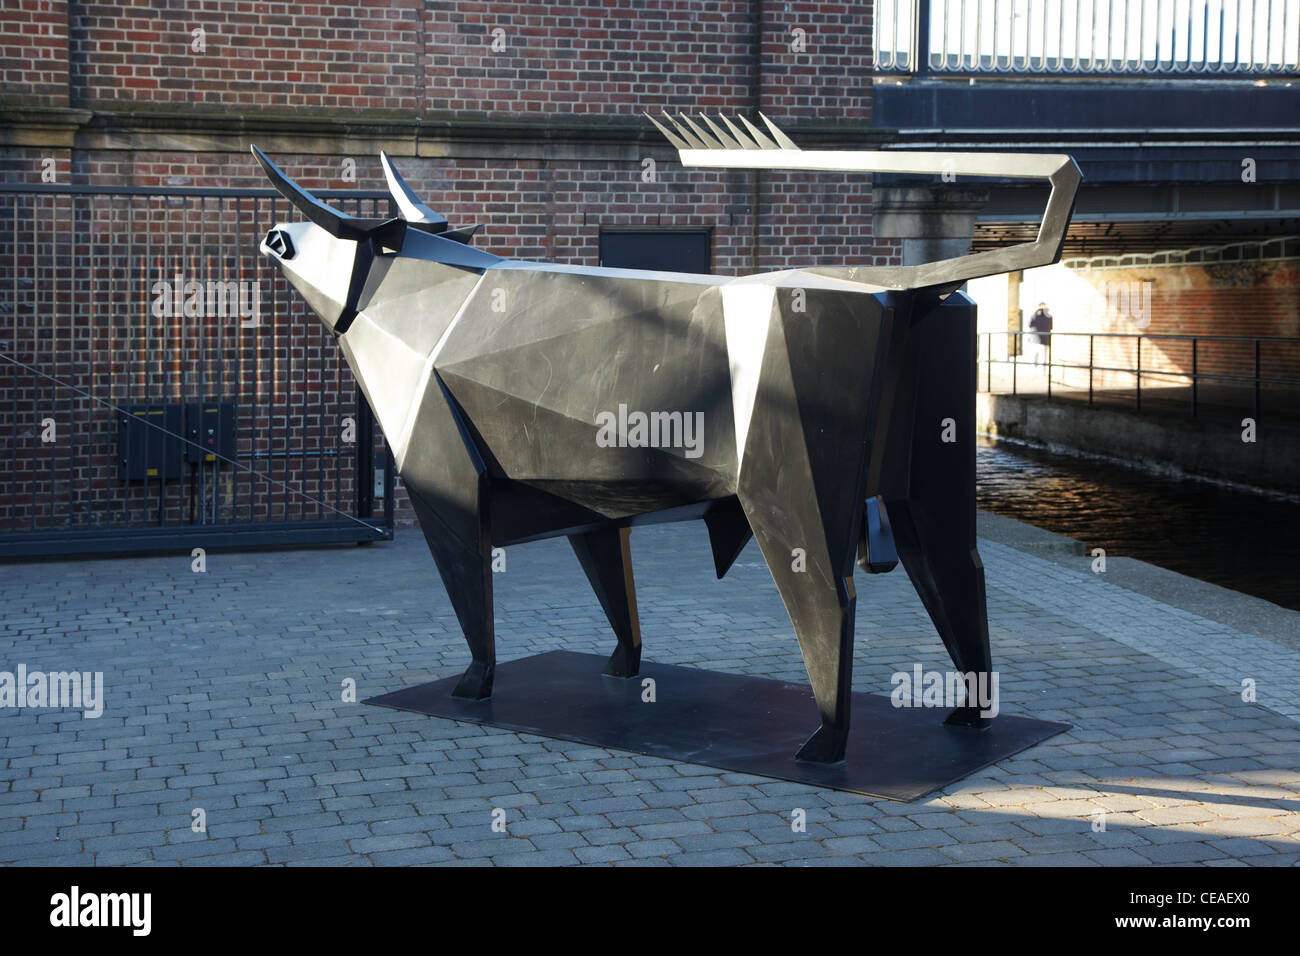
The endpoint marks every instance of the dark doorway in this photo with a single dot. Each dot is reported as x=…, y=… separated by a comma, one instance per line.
x=662, y=250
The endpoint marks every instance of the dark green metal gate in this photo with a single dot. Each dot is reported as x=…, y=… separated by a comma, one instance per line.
x=162, y=387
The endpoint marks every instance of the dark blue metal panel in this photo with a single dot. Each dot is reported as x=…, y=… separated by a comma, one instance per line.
x=1081, y=106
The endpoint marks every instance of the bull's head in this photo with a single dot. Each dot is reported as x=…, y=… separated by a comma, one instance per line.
x=337, y=261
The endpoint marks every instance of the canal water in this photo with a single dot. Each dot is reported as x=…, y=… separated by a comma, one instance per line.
x=1243, y=541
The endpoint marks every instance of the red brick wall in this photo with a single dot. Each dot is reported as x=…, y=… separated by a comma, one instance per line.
x=27, y=164
x=34, y=52
x=291, y=56
x=831, y=78
x=587, y=57
x=134, y=65
x=1234, y=299
x=469, y=59
x=820, y=219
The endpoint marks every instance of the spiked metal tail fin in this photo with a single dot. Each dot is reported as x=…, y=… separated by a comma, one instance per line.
x=686, y=135
x=707, y=144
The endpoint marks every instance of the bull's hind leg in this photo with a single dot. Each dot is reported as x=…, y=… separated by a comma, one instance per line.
x=448, y=486
x=930, y=493
x=607, y=561
x=802, y=481
x=946, y=571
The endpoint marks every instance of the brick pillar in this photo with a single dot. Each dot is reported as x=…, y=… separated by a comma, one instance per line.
x=1015, y=315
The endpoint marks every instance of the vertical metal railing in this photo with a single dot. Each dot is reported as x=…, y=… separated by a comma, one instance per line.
x=1138, y=374
x=1071, y=37
x=1196, y=375
x=128, y=305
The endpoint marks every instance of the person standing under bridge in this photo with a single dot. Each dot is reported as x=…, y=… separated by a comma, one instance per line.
x=1041, y=324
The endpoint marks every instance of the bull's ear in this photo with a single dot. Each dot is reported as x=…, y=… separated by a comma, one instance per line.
x=408, y=204
x=336, y=223
x=464, y=234
x=388, y=237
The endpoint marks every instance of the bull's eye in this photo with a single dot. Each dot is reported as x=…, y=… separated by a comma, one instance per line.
x=278, y=241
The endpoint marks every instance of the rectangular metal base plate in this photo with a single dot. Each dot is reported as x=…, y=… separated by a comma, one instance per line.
x=732, y=722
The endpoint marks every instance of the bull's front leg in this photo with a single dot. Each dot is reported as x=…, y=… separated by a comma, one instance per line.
x=448, y=487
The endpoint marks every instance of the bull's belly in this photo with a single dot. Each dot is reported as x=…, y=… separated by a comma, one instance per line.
x=614, y=466
x=595, y=379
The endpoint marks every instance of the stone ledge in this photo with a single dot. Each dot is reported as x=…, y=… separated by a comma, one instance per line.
x=1243, y=612
x=401, y=134
x=40, y=126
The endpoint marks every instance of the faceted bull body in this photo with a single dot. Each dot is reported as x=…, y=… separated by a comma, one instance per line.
x=523, y=400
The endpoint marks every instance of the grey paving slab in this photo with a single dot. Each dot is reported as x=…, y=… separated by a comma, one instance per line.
x=224, y=693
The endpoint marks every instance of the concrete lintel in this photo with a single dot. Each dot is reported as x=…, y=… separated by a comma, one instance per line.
x=926, y=212
x=935, y=222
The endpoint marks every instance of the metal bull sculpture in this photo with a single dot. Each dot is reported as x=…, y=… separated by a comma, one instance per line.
x=527, y=400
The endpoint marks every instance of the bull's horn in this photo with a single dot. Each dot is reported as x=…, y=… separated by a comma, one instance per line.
x=336, y=223
x=408, y=203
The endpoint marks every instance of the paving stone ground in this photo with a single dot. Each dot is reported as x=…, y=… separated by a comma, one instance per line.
x=224, y=694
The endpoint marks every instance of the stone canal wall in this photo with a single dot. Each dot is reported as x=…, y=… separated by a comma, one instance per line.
x=1167, y=443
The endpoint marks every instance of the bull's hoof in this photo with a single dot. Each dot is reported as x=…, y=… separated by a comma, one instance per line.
x=624, y=662
x=825, y=746
x=476, y=682
x=968, y=717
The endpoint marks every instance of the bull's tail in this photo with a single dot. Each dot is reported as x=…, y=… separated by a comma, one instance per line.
x=709, y=144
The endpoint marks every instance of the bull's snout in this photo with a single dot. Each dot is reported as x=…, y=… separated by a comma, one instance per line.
x=278, y=243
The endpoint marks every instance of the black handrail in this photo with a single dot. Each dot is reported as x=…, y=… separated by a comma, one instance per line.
x=58, y=189
x=1194, y=377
